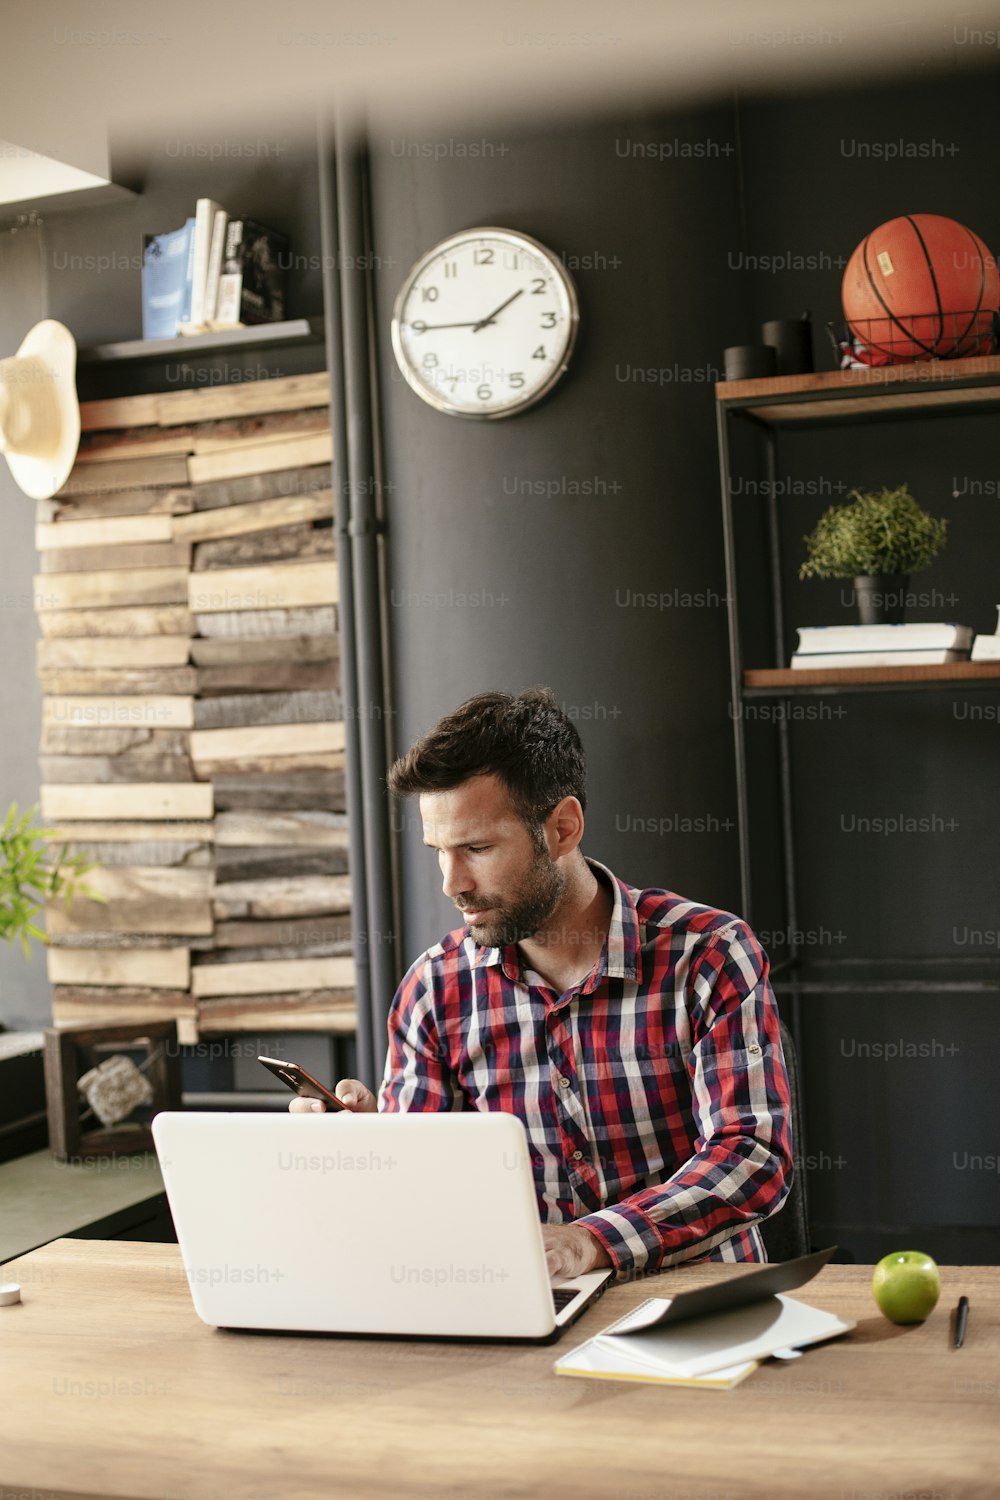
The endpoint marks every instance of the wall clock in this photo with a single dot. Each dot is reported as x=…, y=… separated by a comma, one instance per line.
x=485, y=323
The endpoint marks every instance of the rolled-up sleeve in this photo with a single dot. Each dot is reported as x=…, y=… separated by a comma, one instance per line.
x=741, y=1167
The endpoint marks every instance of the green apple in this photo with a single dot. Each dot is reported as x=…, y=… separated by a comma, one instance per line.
x=907, y=1285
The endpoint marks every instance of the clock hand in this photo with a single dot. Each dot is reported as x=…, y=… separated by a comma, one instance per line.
x=419, y=326
x=493, y=315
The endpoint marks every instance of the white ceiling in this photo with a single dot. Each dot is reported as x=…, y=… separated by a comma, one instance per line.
x=70, y=73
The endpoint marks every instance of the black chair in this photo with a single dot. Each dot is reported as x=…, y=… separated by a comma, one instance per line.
x=786, y=1233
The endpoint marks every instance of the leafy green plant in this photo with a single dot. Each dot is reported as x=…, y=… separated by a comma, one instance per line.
x=881, y=532
x=32, y=871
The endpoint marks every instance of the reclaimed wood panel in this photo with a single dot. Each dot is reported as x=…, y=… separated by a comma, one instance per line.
x=307, y=896
x=97, y=711
x=143, y=766
x=294, y=932
x=114, y=532
x=284, y=586
x=313, y=747
x=98, y=831
x=208, y=980
x=154, y=799
x=284, y=544
x=251, y=487
x=258, y=650
x=129, y=474
x=184, y=855
x=157, y=969
x=168, y=619
x=142, y=899
x=124, y=681
x=263, y=829
x=75, y=1005
x=246, y=709
x=100, y=559
x=119, y=411
x=115, y=651
x=63, y=739
x=274, y=623
x=289, y=677
x=61, y=591
x=243, y=398
x=321, y=1010
x=174, y=501
x=242, y=863
x=253, y=516
x=292, y=791
x=259, y=458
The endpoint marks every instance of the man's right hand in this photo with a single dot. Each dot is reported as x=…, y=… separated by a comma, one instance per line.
x=354, y=1095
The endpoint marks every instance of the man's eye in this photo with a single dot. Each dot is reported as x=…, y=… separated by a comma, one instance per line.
x=477, y=848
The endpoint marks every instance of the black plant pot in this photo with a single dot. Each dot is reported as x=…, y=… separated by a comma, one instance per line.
x=881, y=598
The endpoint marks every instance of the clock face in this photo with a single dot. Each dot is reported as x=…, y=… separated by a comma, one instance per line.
x=484, y=324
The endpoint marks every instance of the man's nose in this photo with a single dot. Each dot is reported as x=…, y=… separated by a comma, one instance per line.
x=454, y=876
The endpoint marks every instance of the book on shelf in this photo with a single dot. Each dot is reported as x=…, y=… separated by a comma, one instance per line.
x=252, y=284
x=812, y=661
x=920, y=636
x=204, y=222
x=986, y=648
x=214, y=271
x=164, y=281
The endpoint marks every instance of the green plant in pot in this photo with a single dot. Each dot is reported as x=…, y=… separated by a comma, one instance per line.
x=33, y=870
x=878, y=540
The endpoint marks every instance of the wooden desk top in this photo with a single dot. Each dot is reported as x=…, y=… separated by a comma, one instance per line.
x=111, y=1387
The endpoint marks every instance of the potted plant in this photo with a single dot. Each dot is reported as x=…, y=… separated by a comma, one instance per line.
x=878, y=540
x=33, y=871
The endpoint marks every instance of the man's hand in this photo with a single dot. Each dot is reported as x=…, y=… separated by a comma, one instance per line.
x=571, y=1249
x=357, y=1098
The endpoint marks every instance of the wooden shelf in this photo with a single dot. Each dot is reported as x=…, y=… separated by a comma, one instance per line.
x=766, y=681
x=938, y=387
x=296, y=331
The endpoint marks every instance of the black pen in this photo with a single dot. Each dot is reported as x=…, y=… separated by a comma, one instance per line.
x=961, y=1318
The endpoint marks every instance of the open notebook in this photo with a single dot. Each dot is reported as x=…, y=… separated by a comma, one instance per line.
x=715, y=1335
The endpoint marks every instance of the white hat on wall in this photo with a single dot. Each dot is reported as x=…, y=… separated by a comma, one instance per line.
x=39, y=410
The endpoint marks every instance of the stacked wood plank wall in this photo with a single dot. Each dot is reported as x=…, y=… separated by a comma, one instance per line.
x=192, y=739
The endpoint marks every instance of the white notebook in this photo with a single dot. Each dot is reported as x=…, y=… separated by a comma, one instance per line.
x=714, y=1335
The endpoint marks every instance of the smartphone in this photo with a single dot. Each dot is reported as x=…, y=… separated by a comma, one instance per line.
x=300, y=1082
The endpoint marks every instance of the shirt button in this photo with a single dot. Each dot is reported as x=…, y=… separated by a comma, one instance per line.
x=754, y=1048
x=564, y=1083
x=578, y=1156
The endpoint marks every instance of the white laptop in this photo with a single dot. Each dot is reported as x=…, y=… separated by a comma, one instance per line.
x=401, y=1224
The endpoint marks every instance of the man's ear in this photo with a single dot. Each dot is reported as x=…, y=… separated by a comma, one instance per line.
x=564, y=827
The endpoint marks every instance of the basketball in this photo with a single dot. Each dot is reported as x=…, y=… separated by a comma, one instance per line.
x=921, y=287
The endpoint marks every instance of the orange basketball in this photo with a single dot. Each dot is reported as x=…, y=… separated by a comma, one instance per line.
x=921, y=287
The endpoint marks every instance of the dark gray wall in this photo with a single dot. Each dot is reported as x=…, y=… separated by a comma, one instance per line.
x=494, y=581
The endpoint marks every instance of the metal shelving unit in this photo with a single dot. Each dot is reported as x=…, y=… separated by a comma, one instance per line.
x=807, y=402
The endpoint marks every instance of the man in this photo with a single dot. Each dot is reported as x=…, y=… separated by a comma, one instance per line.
x=635, y=1033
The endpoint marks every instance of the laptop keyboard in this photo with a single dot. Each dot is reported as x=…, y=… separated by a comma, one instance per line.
x=563, y=1295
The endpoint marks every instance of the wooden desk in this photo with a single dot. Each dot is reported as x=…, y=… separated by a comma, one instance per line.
x=110, y=1387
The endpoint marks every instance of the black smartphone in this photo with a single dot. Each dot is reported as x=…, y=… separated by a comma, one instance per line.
x=300, y=1082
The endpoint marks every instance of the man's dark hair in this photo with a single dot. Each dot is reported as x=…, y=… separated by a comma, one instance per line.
x=524, y=739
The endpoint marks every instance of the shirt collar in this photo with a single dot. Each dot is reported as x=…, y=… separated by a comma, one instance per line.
x=620, y=957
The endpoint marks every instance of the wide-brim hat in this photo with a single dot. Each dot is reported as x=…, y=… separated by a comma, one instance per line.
x=39, y=410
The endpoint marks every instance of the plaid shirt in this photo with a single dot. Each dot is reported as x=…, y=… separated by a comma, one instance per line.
x=653, y=1092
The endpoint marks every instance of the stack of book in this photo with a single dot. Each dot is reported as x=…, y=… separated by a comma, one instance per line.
x=987, y=647
x=215, y=273
x=916, y=645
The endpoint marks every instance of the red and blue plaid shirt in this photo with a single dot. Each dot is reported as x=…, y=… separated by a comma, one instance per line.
x=653, y=1091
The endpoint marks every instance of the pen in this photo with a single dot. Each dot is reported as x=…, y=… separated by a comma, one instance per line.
x=961, y=1318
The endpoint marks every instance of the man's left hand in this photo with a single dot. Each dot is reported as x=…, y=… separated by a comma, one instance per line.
x=571, y=1249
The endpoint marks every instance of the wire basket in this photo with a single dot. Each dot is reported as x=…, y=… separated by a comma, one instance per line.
x=903, y=338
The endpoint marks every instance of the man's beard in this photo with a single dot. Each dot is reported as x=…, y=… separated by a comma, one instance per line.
x=530, y=908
